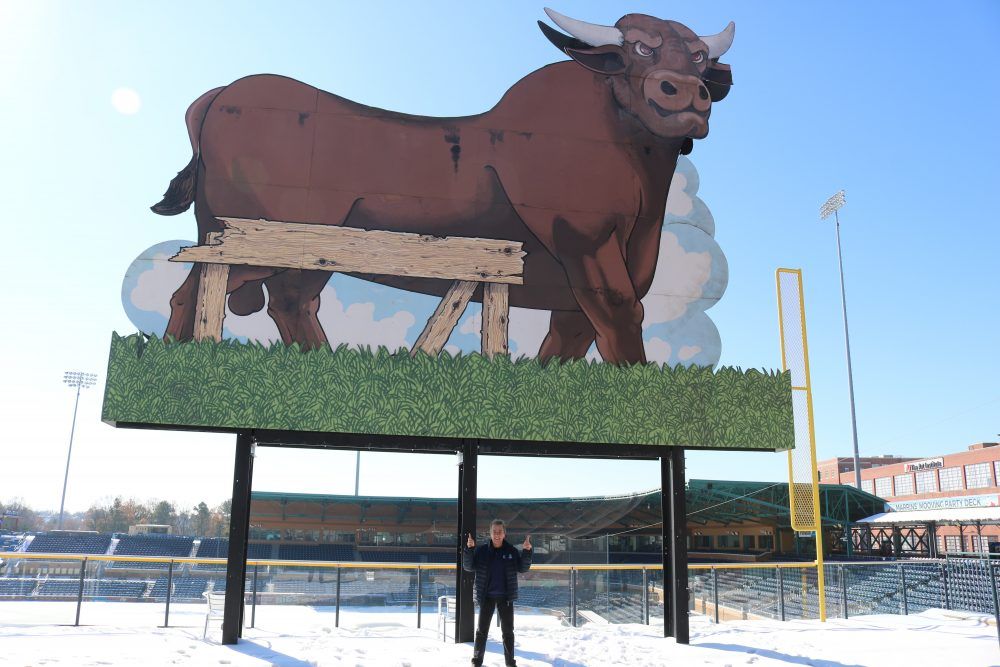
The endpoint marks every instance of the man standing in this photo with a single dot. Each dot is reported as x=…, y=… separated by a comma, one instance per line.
x=496, y=564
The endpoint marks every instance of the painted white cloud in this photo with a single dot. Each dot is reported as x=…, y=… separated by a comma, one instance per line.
x=687, y=352
x=473, y=326
x=658, y=350
x=527, y=330
x=679, y=280
x=356, y=325
x=256, y=327
x=679, y=201
x=155, y=286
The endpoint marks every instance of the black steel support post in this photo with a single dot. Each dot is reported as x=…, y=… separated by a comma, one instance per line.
x=170, y=582
x=420, y=595
x=79, y=594
x=572, y=596
x=781, y=592
x=465, y=611
x=996, y=596
x=715, y=593
x=843, y=588
x=253, y=600
x=645, y=596
x=944, y=581
x=902, y=590
x=679, y=558
x=666, y=505
x=239, y=529
x=336, y=620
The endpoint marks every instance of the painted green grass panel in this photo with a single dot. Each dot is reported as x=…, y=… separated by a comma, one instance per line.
x=242, y=386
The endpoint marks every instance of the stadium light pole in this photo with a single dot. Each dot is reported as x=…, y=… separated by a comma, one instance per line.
x=77, y=380
x=833, y=205
x=357, y=472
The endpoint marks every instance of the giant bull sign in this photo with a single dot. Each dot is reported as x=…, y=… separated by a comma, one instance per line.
x=574, y=162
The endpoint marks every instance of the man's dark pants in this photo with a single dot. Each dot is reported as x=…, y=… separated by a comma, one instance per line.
x=505, y=610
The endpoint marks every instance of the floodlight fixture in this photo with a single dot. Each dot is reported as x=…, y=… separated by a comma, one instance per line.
x=832, y=205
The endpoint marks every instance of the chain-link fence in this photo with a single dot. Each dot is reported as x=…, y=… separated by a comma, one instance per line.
x=576, y=594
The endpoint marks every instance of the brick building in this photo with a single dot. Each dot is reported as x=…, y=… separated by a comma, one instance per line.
x=954, y=498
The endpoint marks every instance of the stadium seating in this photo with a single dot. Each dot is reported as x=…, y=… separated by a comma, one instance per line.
x=184, y=588
x=405, y=556
x=118, y=588
x=164, y=546
x=218, y=547
x=327, y=552
x=59, y=587
x=17, y=587
x=70, y=543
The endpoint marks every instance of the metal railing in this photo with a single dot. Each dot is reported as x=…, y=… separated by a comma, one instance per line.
x=618, y=593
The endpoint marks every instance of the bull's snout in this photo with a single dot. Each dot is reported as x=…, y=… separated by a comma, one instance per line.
x=670, y=89
x=673, y=92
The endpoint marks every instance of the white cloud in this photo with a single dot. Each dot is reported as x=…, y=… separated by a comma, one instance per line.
x=658, y=350
x=257, y=326
x=155, y=286
x=679, y=202
x=356, y=324
x=473, y=325
x=679, y=280
x=688, y=351
x=528, y=328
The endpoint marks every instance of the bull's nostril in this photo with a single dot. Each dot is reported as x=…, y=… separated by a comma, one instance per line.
x=668, y=88
x=702, y=92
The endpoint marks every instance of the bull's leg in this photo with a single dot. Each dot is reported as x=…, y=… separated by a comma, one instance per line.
x=180, y=326
x=570, y=335
x=293, y=304
x=603, y=288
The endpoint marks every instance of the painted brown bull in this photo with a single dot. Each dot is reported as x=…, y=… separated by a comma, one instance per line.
x=575, y=161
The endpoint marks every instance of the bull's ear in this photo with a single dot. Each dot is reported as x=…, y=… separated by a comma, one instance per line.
x=718, y=78
x=607, y=59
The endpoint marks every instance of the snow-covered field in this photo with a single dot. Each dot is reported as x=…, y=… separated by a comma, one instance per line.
x=128, y=634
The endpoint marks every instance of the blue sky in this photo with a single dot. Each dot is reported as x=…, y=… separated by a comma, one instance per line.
x=894, y=102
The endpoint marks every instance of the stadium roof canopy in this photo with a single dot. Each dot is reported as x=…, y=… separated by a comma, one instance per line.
x=709, y=502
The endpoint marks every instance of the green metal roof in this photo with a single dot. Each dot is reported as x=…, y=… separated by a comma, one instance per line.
x=709, y=502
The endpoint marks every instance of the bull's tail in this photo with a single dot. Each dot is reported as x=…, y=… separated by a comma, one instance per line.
x=180, y=192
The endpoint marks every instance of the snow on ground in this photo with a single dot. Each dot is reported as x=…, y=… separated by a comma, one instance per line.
x=287, y=636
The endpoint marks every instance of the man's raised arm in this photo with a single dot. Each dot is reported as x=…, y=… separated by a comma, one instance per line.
x=526, y=550
x=468, y=554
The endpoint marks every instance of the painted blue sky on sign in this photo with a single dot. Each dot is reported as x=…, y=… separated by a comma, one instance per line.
x=691, y=277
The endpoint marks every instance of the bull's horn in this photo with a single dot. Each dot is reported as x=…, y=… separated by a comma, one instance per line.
x=720, y=43
x=595, y=35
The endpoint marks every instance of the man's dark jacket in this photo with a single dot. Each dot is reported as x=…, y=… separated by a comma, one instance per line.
x=477, y=559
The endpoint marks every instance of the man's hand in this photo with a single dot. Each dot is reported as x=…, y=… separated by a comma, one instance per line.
x=527, y=543
x=470, y=542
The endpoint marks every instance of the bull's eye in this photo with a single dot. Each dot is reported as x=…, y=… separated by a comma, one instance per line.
x=697, y=57
x=643, y=50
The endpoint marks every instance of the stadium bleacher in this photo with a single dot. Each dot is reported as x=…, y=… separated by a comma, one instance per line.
x=218, y=547
x=17, y=587
x=184, y=588
x=405, y=556
x=67, y=542
x=327, y=552
x=58, y=587
x=164, y=546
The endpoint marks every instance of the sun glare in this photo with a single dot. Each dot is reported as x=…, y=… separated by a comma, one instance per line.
x=126, y=101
